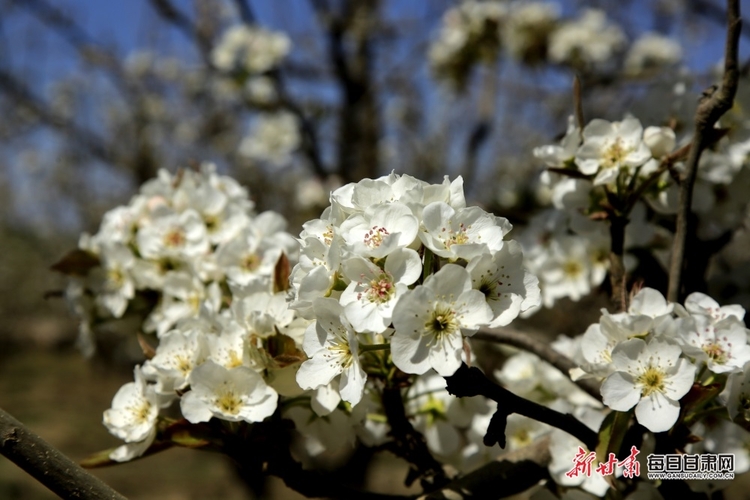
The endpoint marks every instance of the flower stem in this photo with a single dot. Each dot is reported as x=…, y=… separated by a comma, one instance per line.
x=373, y=347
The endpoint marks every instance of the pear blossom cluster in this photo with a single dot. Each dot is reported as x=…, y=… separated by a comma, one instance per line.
x=586, y=42
x=395, y=275
x=406, y=264
x=174, y=251
x=533, y=32
x=650, y=356
x=227, y=345
x=273, y=138
x=250, y=49
x=613, y=160
x=652, y=51
x=470, y=33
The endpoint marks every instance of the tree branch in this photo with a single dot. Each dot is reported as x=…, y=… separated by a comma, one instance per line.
x=264, y=448
x=617, y=275
x=171, y=14
x=246, y=12
x=530, y=343
x=95, y=145
x=410, y=444
x=468, y=382
x=47, y=465
x=713, y=105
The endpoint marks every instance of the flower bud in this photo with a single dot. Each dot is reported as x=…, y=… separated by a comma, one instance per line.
x=660, y=140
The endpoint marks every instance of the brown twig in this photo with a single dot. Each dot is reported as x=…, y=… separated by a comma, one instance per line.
x=712, y=106
x=529, y=342
x=578, y=100
x=617, y=274
x=47, y=465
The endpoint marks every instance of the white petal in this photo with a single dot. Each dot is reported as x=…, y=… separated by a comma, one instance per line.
x=657, y=413
x=317, y=371
x=193, y=409
x=619, y=392
x=410, y=354
x=404, y=265
x=352, y=384
x=445, y=358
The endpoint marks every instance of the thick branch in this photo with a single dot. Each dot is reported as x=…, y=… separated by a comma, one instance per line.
x=468, y=382
x=713, y=104
x=530, y=343
x=358, y=117
x=47, y=465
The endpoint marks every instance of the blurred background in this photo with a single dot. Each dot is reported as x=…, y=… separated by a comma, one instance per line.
x=96, y=97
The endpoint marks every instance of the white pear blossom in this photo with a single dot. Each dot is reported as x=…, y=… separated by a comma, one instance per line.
x=722, y=347
x=566, y=270
x=178, y=354
x=609, y=147
x=650, y=376
x=174, y=236
x=430, y=320
x=373, y=292
x=250, y=48
x=528, y=28
x=132, y=417
x=273, y=138
x=380, y=230
x=463, y=233
x=333, y=348
x=114, y=284
x=736, y=396
x=700, y=304
x=586, y=42
x=652, y=51
x=229, y=394
x=660, y=140
x=507, y=287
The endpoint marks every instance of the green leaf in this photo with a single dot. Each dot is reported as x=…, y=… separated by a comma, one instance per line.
x=611, y=434
x=183, y=433
x=101, y=458
x=98, y=459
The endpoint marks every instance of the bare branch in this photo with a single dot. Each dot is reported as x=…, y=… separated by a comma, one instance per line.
x=47, y=465
x=713, y=105
x=617, y=274
x=95, y=145
x=578, y=101
x=468, y=382
x=175, y=17
x=529, y=342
